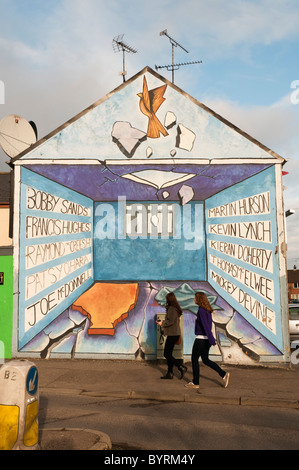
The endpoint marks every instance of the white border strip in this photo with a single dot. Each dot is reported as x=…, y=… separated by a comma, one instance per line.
x=166, y=161
x=16, y=255
x=80, y=161
x=282, y=257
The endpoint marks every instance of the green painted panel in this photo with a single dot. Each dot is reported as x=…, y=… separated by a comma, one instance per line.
x=6, y=306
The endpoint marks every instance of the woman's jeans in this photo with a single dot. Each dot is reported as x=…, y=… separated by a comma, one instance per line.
x=168, y=350
x=201, y=349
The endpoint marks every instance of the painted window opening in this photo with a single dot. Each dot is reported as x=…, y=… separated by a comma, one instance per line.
x=149, y=220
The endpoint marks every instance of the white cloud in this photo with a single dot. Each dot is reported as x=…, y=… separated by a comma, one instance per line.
x=19, y=50
x=275, y=126
x=230, y=26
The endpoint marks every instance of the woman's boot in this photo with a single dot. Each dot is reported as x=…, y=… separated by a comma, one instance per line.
x=169, y=375
x=183, y=369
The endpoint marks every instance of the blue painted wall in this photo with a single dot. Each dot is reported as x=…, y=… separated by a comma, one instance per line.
x=149, y=171
x=182, y=256
x=249, y=284
x=48, y=282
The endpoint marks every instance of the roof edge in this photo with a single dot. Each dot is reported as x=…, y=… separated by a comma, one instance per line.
x=172, y=85
x=221, y=118
x=79, y=115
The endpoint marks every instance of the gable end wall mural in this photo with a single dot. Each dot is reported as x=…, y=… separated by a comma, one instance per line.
x=146, y=193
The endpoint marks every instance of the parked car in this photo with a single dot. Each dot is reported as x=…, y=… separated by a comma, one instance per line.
x=294, y=325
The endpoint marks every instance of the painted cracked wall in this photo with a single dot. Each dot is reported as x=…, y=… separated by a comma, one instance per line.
x=149, y=241
x=114, y=314
x=102, y=243
x=55, y=259
x=242, y=253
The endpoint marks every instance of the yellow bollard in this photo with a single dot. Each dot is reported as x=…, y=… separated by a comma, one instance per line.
x=19, y=406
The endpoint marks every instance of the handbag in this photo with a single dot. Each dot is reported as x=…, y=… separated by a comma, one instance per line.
x=179, y=340
x=162, y=338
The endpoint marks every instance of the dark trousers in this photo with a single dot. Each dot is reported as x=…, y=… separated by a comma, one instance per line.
x=201, y=349
x=168, y=350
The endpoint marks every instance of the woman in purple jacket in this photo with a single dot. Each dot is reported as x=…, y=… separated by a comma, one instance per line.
x=203, y=341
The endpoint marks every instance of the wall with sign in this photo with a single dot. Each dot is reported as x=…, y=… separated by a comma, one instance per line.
x=122, y=205
x=160, y=250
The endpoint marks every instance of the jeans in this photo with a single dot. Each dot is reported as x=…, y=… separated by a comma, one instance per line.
x=201, y=349
x=168, y=350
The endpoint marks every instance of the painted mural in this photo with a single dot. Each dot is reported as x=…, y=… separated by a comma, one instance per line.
x=147, y=192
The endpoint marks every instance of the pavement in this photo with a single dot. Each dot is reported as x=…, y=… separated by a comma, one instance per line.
x=268, y=386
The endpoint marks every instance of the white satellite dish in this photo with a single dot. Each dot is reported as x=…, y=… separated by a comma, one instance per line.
x=16, y=135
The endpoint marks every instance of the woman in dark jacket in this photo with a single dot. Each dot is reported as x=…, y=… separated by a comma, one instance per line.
x=171, y=327
x=203, y=341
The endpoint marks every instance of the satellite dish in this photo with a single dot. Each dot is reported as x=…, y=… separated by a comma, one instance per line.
x=16, y=135
x=33, y=125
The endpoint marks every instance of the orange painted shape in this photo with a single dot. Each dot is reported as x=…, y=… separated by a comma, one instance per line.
x=106, y=305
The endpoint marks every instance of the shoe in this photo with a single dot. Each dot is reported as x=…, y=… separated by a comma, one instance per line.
x=169, y=375
x=226, y=379
x=183, y=369
x=191, y=385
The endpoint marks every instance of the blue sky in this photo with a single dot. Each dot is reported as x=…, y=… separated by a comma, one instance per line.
x=56, y=58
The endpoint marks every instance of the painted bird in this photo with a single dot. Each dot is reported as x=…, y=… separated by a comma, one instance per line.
x=150, y=102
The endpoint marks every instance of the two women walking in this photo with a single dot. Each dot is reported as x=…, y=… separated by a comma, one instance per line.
x=204, y=339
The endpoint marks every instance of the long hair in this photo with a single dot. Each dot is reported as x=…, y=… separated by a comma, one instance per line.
x=202, y=301
x=171, y=301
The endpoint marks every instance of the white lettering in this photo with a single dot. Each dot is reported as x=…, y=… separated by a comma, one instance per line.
x=42, y=201
x=258, y=257
x=256, y=308
x=259, y=284
x=40, y=254
x=35, y=312
x=253, y=205
x=169, y=459
x=114, y=460
x=258, y=231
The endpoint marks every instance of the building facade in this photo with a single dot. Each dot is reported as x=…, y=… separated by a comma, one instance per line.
x=293, y=285
x=145, y=192
x=6, y=268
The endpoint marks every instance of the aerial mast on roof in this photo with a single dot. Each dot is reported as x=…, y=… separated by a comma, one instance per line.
x=174, y=66
x=119, y=45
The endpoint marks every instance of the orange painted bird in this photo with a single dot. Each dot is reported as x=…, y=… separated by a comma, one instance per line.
x=150, y=102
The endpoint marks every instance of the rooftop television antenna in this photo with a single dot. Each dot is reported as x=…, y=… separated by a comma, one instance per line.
x=16, y=135
x=174, y=66
x=119, y=45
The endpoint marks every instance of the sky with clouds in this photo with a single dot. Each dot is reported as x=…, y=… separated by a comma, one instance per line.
x=56, y=59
